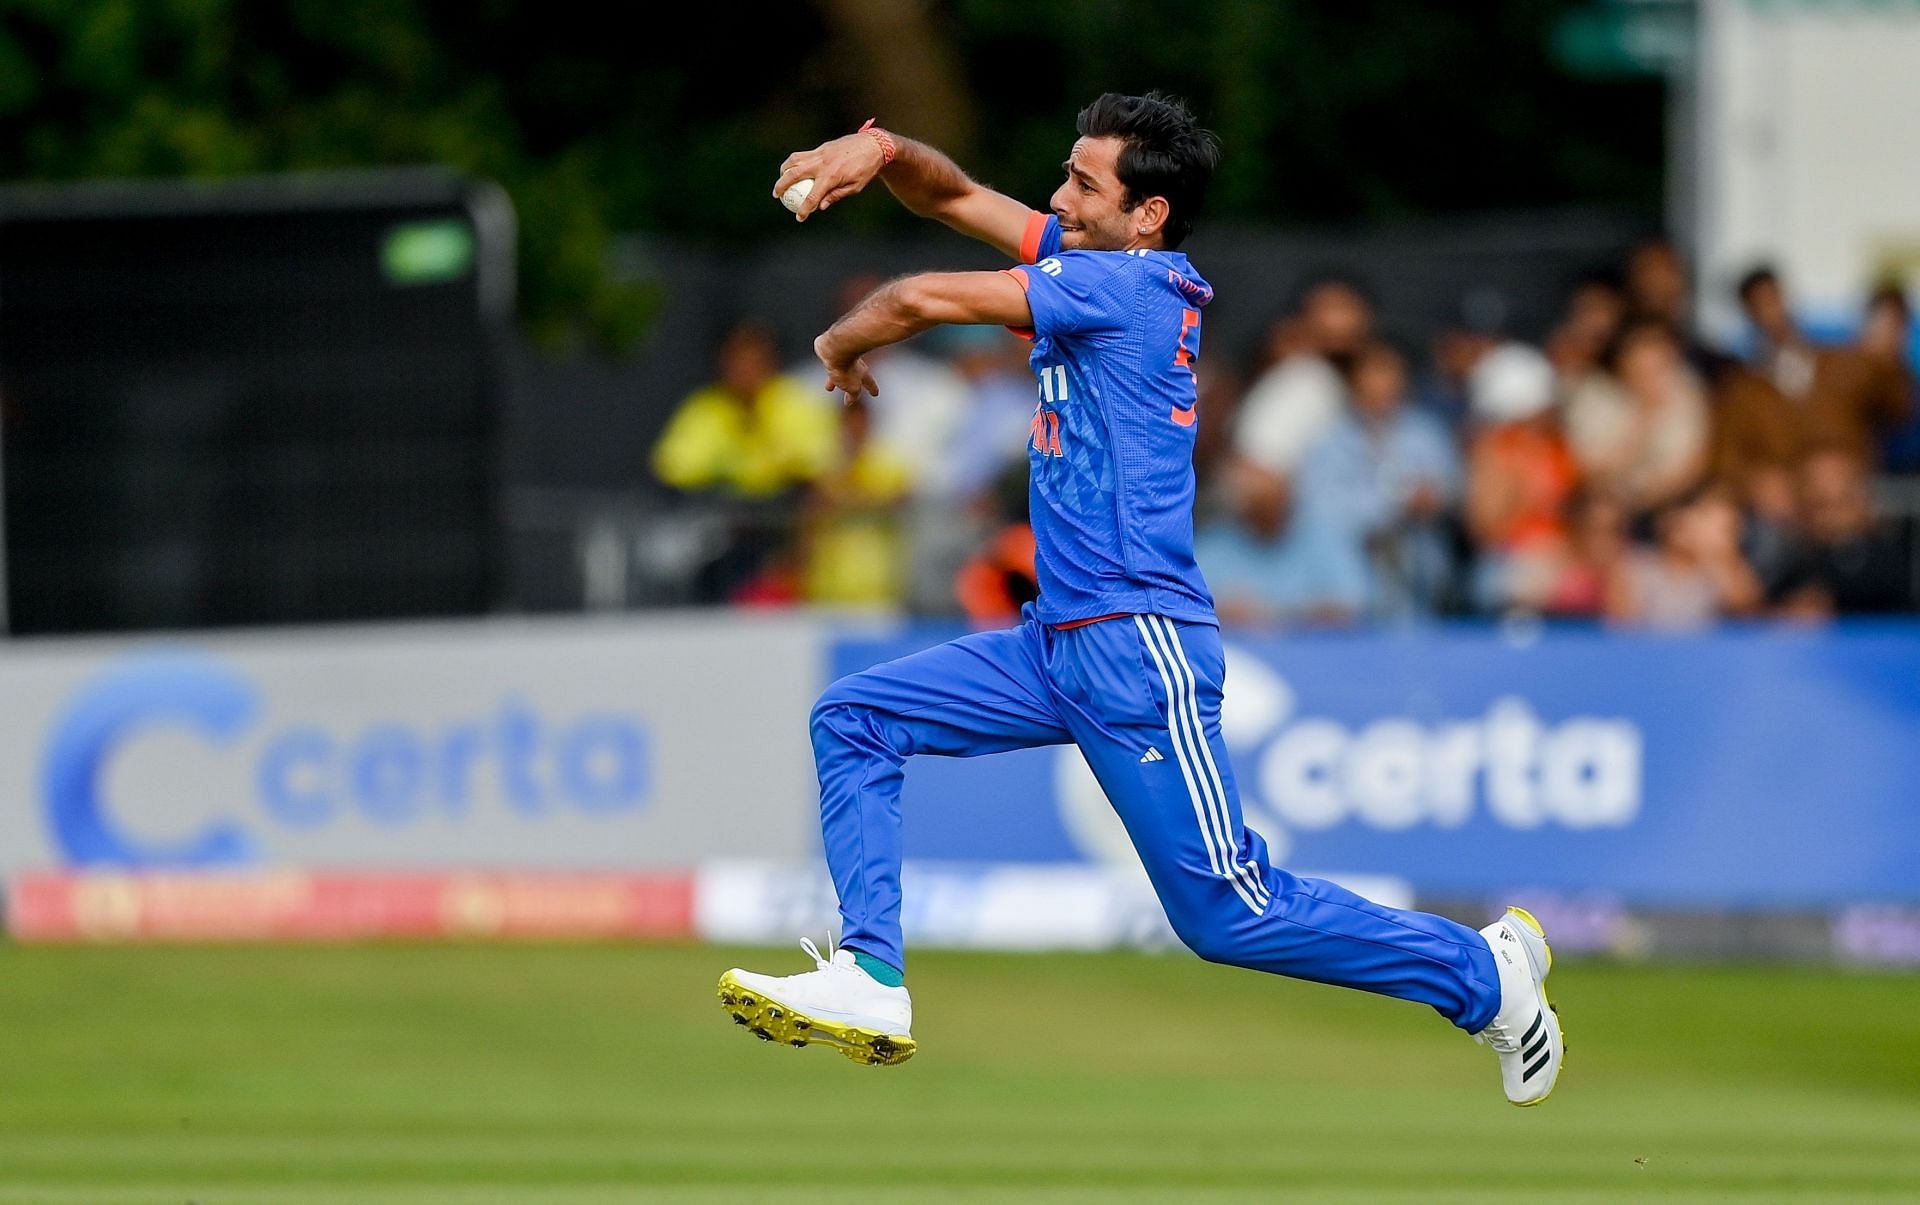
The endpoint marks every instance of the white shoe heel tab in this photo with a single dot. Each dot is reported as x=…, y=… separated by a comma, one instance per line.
x=1533, y=939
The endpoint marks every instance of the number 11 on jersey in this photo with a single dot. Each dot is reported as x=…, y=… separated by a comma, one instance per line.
x=1053, y=383
x=1044, y=437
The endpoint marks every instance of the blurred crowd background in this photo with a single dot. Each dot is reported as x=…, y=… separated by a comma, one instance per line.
x=1592, y=310
x=1619, y=468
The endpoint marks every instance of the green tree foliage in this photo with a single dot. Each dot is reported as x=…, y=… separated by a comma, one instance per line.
x=674, y=120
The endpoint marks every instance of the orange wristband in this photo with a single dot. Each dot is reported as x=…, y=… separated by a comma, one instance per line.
x=887, y=149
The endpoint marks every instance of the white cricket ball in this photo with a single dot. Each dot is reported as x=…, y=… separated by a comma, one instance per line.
x=796, y=193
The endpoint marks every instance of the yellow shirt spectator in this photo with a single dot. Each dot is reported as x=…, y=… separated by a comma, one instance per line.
x=784, y=437
x=855, y=553
x=753, y=433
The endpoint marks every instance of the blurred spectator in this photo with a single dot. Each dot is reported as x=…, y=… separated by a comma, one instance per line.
x=1454, y=353
x=1595, y=312
x=1299, y=396
x=1760, y=432
x=1886, y=332
x=748, y=444
x=1520, y=475
x=998, y=414
x=998, y=580
x=1798, y=398
x=1641, y=429
x=1219, y=401
x=1382, y=477
x=1757, y=448
x=1657, y=290
x=918, y=424
x=990, y=442
x=920, y=414
x=1656, y=284
x=1581, y=581
x=1887, y=336
x=753, y=433
x=1781, y=353
x=1262, y=568
x=1000, y=577
x=1845, y=563
x=1695, y=573
x=1445, y=393
x=852, y=538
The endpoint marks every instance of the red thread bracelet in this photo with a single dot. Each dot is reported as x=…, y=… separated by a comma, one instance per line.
x=887, y=149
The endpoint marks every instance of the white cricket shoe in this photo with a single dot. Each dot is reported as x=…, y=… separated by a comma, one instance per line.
x=838, y=1004
x=1525, y=1033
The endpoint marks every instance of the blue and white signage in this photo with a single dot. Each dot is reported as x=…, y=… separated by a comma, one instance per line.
x=1752, y=768
x=577, y=744
x=1768, y=768
x=308, y=774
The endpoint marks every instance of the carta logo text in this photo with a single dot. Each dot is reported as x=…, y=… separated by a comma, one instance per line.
x=317, y=774
x=1301, y=773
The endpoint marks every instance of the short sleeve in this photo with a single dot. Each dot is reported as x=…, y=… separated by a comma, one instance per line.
x=1079, y=292
x=1042, y=238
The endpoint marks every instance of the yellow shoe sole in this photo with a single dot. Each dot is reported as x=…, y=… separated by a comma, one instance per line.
x=772, y=1021
x=1527, y=918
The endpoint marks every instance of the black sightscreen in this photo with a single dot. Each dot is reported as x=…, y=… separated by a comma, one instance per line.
x=261, y=403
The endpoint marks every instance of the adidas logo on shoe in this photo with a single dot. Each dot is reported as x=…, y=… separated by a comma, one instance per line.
x=1525, y=1032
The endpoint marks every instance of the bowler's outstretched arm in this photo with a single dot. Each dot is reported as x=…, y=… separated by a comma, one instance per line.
x=925, y=180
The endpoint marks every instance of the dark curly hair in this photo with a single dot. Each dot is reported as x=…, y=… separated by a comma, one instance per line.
x=1166, y=154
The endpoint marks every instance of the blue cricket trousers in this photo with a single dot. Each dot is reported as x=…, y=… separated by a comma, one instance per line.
x=1117, y=688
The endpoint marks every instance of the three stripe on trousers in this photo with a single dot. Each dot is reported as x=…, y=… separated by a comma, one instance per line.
x=1195, y=756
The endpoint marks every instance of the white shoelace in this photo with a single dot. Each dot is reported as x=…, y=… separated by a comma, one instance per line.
x=813, y=951
x=1497, y=1036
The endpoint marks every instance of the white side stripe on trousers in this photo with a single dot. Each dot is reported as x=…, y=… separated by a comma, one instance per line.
x=1229, y=836
x=1178, y=739
x=1209, y=808
x=1204, y=778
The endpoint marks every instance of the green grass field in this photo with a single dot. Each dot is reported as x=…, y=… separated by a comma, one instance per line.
x=466, y=1074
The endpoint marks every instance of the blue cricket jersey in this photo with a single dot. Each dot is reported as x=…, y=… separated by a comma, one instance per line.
x=1115, y=335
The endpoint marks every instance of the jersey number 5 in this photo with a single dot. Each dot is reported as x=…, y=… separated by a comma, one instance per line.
x=1183, y=355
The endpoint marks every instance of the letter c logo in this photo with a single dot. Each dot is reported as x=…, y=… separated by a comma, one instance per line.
x=161, y=688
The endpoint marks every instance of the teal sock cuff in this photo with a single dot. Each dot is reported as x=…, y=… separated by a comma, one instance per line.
x=882, y=973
